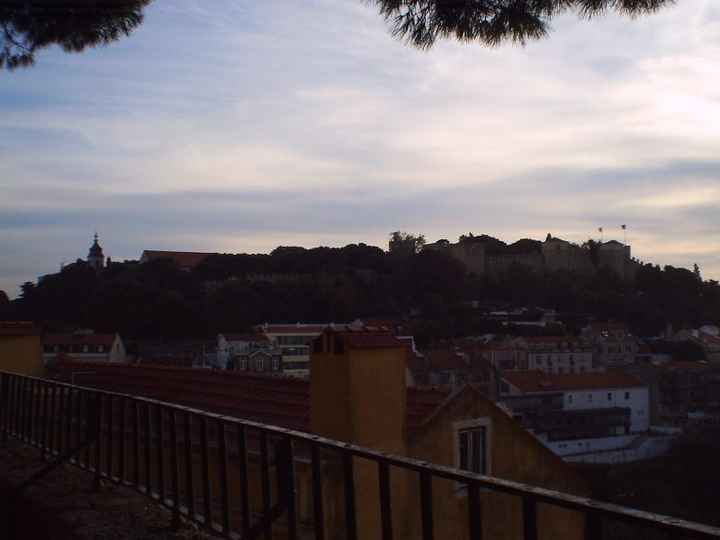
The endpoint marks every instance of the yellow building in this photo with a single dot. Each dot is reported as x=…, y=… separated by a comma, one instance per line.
x=20, y=349
x=358, y=394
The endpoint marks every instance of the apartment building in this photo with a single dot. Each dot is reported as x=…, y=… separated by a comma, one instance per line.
x=559, y=355
x=578, y=413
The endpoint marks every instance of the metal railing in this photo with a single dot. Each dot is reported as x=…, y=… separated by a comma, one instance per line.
x=182, y=458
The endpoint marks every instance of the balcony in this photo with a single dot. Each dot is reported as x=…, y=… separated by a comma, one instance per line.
x=244, y=480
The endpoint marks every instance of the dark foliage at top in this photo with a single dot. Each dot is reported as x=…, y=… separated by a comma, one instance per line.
x=26, y=26
x=491, y=22
x=428, y=288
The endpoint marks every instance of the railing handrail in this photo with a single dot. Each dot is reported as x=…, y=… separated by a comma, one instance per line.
x=556, y=498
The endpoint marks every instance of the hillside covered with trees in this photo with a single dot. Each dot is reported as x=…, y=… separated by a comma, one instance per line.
x=429, y=289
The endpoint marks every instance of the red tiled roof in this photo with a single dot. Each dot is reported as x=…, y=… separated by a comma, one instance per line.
x=683, y=365
x=537, y=381
x=550, y=339
x=709, y=338
x=188, y=259
x=280, y=401
x=446, y=359
x=371, y=340
x=295, y=328
x=17, y=328
x=245, y=337
x=78, y=339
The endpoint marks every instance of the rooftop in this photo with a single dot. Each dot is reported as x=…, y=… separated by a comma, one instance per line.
x=281, y=401
x=78, y=339
x=18, y=328
x=537, y=381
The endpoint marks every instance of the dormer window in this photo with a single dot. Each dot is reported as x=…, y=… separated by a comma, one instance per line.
x=473, y=445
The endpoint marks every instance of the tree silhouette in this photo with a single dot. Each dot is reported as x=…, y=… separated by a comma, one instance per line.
x=27, y=26
x=490, y=22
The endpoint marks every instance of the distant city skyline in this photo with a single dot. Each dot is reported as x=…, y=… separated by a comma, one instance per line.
x=253, y=126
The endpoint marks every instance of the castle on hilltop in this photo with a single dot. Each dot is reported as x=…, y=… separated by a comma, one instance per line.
x=484, y=255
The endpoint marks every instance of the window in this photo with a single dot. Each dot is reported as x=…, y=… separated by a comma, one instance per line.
x=101, y=348
x=609, y=396
x=85, y=348
x=627, y=395
x=589, y=397
x=243, y=364
x=276, y=363
x=260, y=364
x=570, y=398
x=473, y=445
x=473, y=449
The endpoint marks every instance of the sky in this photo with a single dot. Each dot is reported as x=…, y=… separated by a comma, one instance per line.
x=238, y=126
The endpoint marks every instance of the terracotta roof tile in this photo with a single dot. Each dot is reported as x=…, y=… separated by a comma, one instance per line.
x=280, y=401
x=78, y=339
x=18, y=328
x=537, y=381
x=446, y=359
x=295, y=328
x=371, y=341
x=245, y=337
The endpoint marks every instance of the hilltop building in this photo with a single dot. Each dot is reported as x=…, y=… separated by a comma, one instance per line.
x=484, y=255
x=96, y=258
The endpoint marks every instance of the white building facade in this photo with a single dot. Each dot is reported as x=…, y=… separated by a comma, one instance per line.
x=84, y=345
x=559, y=355
x=579, y=414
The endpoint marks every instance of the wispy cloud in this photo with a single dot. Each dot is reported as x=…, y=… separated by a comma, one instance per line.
x=255, y=124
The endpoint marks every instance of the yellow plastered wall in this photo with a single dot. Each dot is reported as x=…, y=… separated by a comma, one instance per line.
x=514, y=455
x=21, y=354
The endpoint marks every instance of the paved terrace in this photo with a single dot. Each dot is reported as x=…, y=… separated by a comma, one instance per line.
x=65, y=505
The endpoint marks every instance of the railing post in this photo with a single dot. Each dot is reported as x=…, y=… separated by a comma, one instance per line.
x=318, y=513
x=95, y=420
x=593, y=526
x=175, y=525
x=5, y=400
x=265, y=482
x=223, y=480
x=385, y=500
x=426, y=506
x=286, y=482
x=474, y=511
x=349, y=492
x=529, y=518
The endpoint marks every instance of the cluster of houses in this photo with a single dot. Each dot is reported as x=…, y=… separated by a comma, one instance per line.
x=602, y=396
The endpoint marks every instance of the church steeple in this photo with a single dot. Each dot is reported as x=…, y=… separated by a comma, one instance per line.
x=96, y=258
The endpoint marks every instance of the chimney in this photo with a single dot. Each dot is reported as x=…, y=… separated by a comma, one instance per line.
x=358, y=395
x=358, y=390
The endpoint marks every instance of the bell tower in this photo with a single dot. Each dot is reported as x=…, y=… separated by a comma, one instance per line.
x=95, y=257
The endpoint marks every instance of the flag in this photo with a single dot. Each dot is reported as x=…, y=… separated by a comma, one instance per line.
x=600, y=229
x=623, y=227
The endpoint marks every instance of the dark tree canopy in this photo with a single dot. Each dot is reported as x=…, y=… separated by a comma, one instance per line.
x=490, y=22
x=27, y=26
